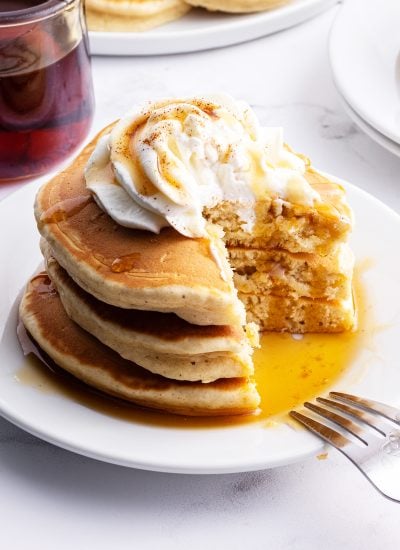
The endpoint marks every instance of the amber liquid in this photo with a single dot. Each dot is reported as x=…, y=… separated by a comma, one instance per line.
x=45, y=107
x=13, y=5
x=288, y=371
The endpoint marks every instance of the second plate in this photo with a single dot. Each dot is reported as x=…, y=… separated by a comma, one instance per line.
x=202, y=30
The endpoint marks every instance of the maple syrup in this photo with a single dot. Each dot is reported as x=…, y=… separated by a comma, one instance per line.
x=125, y=263
x=13, y=5
x=65, y=209
x=46, y=95
x=289, y=370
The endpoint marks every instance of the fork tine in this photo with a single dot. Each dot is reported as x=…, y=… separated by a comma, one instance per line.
x=334, y=438
x=381, y=426
x=344, y=423
x=371, y=462
x=391, y=413
x=331, y=436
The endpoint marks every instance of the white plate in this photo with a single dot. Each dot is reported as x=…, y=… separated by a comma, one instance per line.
x=379, y=138
x=365, y=59
x=59, y=420
x=202, y=30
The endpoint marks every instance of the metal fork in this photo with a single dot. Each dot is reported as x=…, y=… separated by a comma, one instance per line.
x=376, y=452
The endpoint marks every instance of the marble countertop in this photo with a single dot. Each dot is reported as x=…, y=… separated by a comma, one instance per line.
x=51, y=498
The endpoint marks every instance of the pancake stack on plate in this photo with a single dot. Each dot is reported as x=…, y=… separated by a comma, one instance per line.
x=160, y=318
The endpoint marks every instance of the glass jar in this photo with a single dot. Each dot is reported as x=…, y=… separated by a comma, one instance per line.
x=46, y=91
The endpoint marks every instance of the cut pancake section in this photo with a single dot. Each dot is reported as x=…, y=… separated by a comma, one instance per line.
x=284, y=314
x=276, y=223
x=165, y=235
x=284, y=273
x=288, y=292
x=82, y=355
x=160, y=342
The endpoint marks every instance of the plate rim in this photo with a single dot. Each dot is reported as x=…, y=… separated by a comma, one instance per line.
x=335, y=37
x=379, y=138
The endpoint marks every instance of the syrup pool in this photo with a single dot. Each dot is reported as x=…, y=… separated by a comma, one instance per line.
x=289, y=370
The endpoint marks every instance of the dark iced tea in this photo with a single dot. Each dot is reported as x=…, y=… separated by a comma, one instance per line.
x=46, y=97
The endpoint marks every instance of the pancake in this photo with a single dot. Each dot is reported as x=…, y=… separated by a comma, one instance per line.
x=299, y=275
x=132, y=16
x=136, y=8
x=130, y=268
x=296, y=228
x=299, y=315
x=237, y=6
x=298, y=293
x=160, y=342
x=79, y=353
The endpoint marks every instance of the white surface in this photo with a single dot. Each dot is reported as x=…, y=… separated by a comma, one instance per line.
x=202, y=30
x=62, y=421
x=365, y=57
x=53, y=498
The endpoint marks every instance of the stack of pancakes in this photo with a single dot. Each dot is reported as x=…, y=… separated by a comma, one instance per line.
x=140, y=316
x=160, y=319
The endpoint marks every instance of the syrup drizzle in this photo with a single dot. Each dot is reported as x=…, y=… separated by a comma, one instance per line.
x=288, y=371
x=125, y=263
x=65, y=209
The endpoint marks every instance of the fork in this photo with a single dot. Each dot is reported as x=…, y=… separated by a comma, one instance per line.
x=375, y=451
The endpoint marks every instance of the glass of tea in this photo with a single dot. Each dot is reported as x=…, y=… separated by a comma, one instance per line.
x=46, y=91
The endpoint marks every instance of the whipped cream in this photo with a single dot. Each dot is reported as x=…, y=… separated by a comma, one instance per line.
x=166, y=161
